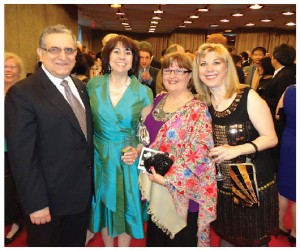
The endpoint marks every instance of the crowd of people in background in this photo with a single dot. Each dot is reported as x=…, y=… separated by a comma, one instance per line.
x=66, y=124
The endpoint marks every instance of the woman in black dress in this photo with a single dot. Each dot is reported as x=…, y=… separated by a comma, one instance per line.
x=243, y=132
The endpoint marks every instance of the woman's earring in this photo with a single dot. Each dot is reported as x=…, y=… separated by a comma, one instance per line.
x=109, y=68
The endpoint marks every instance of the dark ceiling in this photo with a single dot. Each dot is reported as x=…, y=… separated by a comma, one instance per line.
x=139, y=16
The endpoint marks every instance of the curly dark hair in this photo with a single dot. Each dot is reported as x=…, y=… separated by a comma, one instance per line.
x=128, y=43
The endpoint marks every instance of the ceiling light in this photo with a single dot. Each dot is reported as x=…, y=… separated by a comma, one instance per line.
x=255, y=6
x=151, y=31
x=194, y=16
x=181, y=26
x=213, y=25
x=249, y=24
x=128, y=28
x=237, y=15
x=156, y=18
x=287, y=13
x=224, y=20
x=116, y=5
x=203, y=10
x=154, y=22
x=158, y=11
x=152, y=26
x=266, y=20
x=290, y=24
x=124, y=23
x=120, y=13
x=187, y=22
x=228, y=31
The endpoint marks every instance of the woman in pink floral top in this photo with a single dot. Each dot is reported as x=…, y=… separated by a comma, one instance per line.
x=183, y=202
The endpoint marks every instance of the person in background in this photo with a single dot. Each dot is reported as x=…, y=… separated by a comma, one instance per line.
x=183, y=201
x=282, y=59
x=48, y=130
x=159, y=83
x=251, y=72
x=147, y=74
x=245, y=59
x=107, y=37
x=82, y=66
x=266, y=72
x=241, y=134
x=287, y=162
x=217, y=38
x=238, y=66
x=117, y=99
x=13, y=72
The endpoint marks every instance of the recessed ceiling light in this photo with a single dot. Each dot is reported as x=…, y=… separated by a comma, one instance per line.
x=187, y=22
x=194, y=16
x=158, y=11
x=151, y=31
x=154, y=22
x=152, y=26
x=237, y=15
x=287, y=13
x=228, y=31
x=156, y=18
x=203, y=10
x=249, y=24
x=224, y=20
x=116, y=5
x=266, y=20
x=213, y=25
x=290, y=24
x=181, y=26
x=128, y=28
x=124, y=23
x=255, y=6
x=120, y=13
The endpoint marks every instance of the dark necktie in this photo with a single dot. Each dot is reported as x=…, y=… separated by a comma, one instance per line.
x=76, y=106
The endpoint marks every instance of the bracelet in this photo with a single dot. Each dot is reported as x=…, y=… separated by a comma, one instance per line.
x=254, y=145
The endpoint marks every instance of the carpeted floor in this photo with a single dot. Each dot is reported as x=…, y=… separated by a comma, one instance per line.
x=21, y=240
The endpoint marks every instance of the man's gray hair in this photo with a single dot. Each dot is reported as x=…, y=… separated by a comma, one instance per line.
x=59, y=28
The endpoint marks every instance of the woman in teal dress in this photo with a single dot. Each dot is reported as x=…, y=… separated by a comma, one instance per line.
x=117, y=99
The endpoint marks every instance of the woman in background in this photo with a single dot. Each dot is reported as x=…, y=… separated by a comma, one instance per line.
x=13, y=72
x=287, y=163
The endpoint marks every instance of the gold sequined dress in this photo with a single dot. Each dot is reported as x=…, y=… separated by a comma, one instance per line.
x=238, y=225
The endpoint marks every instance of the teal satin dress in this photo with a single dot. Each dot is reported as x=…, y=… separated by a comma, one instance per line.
x=117, y=204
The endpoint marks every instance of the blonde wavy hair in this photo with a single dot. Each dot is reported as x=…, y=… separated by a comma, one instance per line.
x=19, y=61
x=231, y=80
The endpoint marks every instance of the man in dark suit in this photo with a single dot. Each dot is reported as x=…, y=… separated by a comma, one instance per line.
x=251, y=72
x=51, y=148
x=282, y=59
x=147, y=74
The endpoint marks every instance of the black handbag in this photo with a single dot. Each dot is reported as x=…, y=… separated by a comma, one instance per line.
x=160, y=161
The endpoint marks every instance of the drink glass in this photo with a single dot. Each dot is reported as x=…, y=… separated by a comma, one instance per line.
x=127, y=144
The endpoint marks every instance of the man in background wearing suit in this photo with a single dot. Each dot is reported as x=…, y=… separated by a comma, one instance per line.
x=147, y=73
x=50, y=144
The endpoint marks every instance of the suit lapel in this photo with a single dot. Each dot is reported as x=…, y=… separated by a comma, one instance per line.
x=49, y=90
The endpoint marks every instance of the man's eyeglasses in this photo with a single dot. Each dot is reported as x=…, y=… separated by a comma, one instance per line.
x=57, y=50
x=177, y=72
